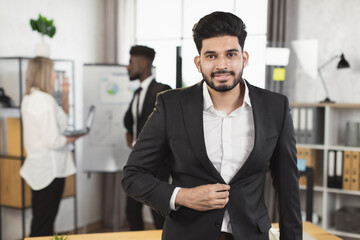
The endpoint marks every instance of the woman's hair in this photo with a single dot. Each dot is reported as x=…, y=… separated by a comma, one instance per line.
x=39, y=74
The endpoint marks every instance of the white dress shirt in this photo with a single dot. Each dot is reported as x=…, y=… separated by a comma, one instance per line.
x=144, y=87
x=229, y=140
x=48, y=155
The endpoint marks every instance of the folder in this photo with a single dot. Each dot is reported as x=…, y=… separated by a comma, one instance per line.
x=331, y=168
x=346, y=170
x=339, y=169
x=355, y=167
x=302, y=125
x=314, y=125
x=295, y=117
x=308, y=155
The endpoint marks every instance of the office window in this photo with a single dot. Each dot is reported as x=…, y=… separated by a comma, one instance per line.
x=196, y=9
x=158, y=19
x=164, y=25
x=165, y=59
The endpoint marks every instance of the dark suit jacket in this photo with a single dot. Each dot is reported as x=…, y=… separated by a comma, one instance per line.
x=148, y=106
x=175, y=129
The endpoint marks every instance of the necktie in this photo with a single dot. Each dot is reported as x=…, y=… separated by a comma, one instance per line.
x=137, y=99
x=137, y=95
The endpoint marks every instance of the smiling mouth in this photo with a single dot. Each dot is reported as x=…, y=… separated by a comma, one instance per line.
x=222, y=75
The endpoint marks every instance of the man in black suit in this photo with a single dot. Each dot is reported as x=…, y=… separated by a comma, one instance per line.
x=220, y=137
x=141, y=106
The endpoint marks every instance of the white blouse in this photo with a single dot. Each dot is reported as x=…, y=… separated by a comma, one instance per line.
x=48, y=155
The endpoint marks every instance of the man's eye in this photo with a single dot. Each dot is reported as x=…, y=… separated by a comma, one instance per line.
x=232, y=54
x=210, y=56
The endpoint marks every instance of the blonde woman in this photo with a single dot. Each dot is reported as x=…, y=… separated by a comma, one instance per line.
x=48, y=159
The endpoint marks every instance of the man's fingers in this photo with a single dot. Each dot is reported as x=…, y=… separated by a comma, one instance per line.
x=221, y=203
x=222, y=195
x=218, y=187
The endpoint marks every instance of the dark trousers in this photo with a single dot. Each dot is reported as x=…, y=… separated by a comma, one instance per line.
x=135, y=217
x=45, y=205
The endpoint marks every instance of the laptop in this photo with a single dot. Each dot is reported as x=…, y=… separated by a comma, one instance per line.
x=89, y=122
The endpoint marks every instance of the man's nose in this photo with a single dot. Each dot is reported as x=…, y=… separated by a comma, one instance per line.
x=222, y=63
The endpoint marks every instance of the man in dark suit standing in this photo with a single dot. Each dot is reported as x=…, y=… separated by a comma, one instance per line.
x=220, y=137
x=141, y=106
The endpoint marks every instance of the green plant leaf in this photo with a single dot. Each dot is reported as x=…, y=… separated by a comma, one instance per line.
x=49, y=23
x=43, y=26
x=33, y=25
x=52, y=32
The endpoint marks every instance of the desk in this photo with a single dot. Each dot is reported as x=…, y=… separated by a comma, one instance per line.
x=310, y=228
x=313, y=231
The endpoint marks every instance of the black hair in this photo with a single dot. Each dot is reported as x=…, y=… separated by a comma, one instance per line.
x=218, y=24
x=144, y=51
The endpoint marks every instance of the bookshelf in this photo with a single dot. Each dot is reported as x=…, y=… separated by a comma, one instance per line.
x=333, y=128
x=14, y=192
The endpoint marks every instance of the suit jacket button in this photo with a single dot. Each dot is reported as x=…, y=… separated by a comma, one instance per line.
x=217, y=224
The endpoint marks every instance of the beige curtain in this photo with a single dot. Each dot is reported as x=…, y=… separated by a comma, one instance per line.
x=110, y=29
x=276, y=27
x=114, y=198
x=113, y=201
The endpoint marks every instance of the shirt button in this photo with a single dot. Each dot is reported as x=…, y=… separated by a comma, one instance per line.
x=217, y=224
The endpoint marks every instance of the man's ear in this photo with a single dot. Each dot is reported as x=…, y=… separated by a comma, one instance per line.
x=144, y=62
x=197, y=63
x=245, y=55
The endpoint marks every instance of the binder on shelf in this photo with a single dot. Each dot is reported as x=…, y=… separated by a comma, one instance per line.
x=307, y=155
x=295, y=116
x=346, y=170
x=339, y=169
x=355, y=168
x=302, y=125
x=331, y=168
x=310, y=156
x=314, y=125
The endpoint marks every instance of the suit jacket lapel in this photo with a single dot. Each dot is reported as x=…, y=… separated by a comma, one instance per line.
x=192, y=107
x=260, y=115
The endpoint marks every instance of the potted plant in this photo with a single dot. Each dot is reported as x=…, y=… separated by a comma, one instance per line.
x=57, y=237
x=46, y=28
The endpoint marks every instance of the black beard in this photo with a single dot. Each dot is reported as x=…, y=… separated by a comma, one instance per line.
x=134, y=77
x=222, y=88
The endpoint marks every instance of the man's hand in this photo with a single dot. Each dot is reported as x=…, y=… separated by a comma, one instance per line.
x=204, y=198
x=129, y=140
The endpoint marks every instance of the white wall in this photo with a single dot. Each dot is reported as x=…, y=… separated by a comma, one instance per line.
x=79, y=37
x=334, y=23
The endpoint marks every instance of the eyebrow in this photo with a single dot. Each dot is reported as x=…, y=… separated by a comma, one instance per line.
x=209, y=52
x=230, y=50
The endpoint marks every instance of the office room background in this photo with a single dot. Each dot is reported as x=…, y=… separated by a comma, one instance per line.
x=102, y=31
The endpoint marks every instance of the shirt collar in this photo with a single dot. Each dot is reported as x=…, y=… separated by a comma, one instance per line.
x=145, y=84
x=247, y=95
x=208, y=102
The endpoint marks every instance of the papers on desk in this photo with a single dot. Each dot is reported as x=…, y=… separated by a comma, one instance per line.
x=274, y=234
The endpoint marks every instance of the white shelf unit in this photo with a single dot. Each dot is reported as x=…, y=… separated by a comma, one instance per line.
x=327, y=200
